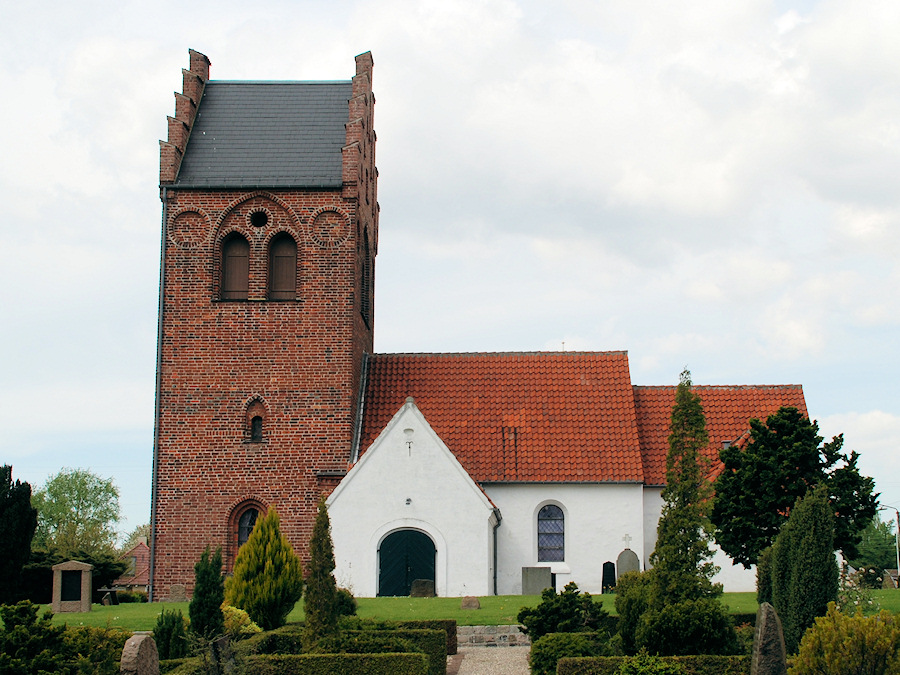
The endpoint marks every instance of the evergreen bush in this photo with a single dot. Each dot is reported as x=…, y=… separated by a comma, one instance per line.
x=840, y=644
x=346, y=603
x=268, y=579
x=644, y=663
x=205, y=609
x=632, y=600
x=28, y=643
x=321, y=605
x=700, y=626
x=170, y=635
x=238, y=624
x=566, y=612
x=547, y=650
x=804, y=570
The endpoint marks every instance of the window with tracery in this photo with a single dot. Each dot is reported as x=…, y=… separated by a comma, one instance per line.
x=551, y=532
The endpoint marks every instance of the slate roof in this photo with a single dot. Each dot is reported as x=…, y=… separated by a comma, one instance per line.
x=728, y=411
x=553, y=416
x=527, y=417
x=267, y=134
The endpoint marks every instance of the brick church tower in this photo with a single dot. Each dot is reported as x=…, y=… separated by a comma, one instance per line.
x=269, y=236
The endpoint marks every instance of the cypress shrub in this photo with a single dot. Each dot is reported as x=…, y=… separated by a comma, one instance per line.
x=268, y=579
x=804, y=569
x=321, y=606
x=205, y=609
x=764, y=577
x=566, y=612
x=689, y=627
x=170, y=635
x=633, y=591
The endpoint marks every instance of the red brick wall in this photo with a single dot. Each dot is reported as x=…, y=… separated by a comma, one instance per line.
x=297, y=360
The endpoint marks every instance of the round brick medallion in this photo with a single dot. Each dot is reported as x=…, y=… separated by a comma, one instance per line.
x=188, y=230
x=330, y=229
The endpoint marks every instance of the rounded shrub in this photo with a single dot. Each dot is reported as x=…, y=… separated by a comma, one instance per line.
x=690, y=627
x=549, y=649
x=840, y=644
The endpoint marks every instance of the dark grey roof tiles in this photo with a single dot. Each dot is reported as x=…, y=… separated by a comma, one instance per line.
x=267, y=134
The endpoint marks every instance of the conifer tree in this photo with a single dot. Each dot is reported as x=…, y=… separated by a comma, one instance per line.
x=205, y=609
x=803, y=567
x=681, y=560
x=18, y=520
x=321, y=603
x=268, y=579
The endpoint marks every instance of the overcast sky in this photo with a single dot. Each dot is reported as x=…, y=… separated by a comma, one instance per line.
x=711, y=185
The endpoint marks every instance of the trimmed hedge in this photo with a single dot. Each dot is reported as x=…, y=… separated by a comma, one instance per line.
x=321, y=664
x=288, y=640
x=548, y=649
x=446, y=625
x=692, y=665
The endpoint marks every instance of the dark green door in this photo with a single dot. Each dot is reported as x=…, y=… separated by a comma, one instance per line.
x=405, y=555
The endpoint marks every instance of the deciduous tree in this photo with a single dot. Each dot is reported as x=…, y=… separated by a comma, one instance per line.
x=77, y=511
x=760, y=483
x=18, y=520
x=878, y=546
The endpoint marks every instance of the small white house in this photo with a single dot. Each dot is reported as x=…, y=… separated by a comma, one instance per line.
x=471, y=467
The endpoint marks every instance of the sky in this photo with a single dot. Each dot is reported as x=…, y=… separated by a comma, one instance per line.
x=710, y=185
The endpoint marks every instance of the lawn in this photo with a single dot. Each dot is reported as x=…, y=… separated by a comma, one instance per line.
x=495, y=609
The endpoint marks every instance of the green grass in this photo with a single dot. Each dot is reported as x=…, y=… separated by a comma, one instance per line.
x=495, y=609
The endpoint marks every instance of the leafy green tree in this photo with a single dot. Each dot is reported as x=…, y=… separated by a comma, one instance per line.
x=760, y=483
x=682, y=567
x=77, y=511
x=321, y=603
x=18, y=520
x=268, y=579
x=878, y=547
x=205, y=609
x=803, y=566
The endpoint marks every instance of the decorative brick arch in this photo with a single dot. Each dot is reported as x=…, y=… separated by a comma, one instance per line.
x=255, y=407
x=238, y=509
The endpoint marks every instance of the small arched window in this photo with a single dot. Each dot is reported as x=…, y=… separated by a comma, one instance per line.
x=283, y=268
x=551, y=532
x=235, y=268
x=245, y=525
x=256, y=426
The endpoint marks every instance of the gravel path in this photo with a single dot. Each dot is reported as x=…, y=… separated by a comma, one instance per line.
x=489, y=661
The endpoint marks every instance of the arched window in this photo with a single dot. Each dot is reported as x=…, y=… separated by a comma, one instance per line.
x=256, y=426
x=551, y=534
x=283, y=268
x=245, y=525
x=235, y=268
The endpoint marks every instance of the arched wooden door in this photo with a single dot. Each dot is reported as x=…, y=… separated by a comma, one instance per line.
x=404, y=556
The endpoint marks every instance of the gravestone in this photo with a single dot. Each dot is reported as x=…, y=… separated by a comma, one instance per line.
x=627, y=562
x=71, y=587
x=769, y=656
x=422, y=588
x=177, y=593
x=139, y=656
x=470, y=602
x=536, y=579
x=609, y=577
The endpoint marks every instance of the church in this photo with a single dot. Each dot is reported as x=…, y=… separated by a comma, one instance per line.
x=470, y=473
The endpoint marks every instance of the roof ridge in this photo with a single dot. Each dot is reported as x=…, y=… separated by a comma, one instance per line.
x=349, y=82
x=620, y=352
x=721, y=386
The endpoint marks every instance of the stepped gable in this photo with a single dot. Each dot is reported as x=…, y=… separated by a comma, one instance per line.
x=517, y=417
x=728, y=410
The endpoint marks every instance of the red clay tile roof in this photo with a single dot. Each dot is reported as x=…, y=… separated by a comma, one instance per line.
x=546, y=416
x=728, y=411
